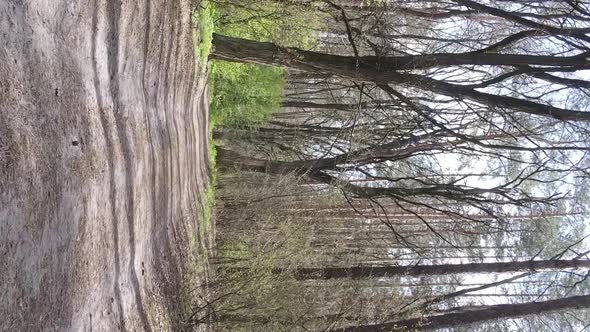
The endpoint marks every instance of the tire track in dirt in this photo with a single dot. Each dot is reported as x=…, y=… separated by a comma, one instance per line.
x=162, y=204
x=114, y=16
x=110, y=164
x=178, y=198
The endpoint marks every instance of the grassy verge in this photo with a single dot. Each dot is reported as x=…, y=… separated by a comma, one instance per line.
x=241, y=96
x=194, y=287
x=244, y=95
x=202, y=20
x=203, y=25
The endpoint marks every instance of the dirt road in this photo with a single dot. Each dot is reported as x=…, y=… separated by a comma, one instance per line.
x=103, y=136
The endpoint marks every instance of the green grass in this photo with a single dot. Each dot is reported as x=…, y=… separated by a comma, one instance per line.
x=202, y=20
x=203, y=26
x=244, y=95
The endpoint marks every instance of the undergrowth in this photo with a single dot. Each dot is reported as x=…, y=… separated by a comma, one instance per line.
x=246, y=95
x=241, y=96
x=202, y=20
x=196, y=278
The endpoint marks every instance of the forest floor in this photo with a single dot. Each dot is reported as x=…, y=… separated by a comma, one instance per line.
x=103, y=159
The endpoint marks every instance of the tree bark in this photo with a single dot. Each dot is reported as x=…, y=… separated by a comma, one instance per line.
x=360, y=272
x=474, y=316
x=243, y=50
x=327, y=106
x=386, y=70
x=397, y=149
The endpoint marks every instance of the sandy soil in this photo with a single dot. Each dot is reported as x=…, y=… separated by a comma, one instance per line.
x=103, y=136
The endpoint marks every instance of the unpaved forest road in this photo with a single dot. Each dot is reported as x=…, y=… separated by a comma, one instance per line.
x=103, y=135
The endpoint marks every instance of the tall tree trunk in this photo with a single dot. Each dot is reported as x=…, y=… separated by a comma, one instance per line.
x=359, y=272
x=243, y=50
x=474, y=316
x=328, y=106
x=399, y=149
x=464, y=291
x=386, y=70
